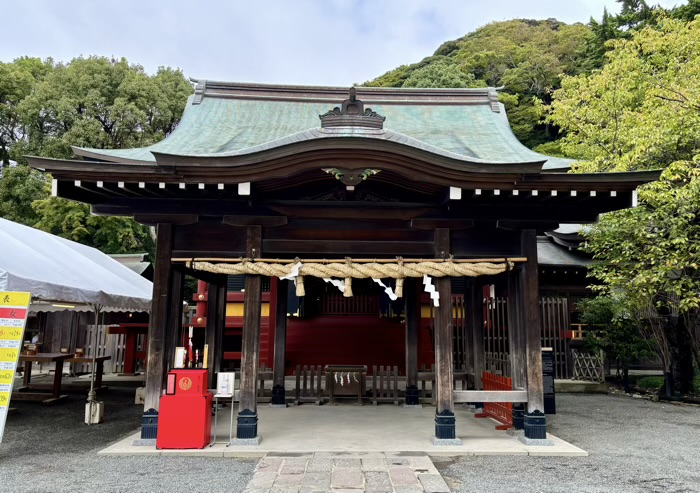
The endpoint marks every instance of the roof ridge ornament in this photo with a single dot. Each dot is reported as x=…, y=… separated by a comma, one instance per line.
x=352, y=113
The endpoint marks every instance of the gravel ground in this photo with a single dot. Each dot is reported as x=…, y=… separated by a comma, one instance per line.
x=50, y=449
x=635, y=446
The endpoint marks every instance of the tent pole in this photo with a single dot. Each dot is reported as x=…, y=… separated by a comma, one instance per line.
x=92, y=394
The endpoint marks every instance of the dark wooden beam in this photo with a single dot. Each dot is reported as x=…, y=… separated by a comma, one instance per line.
x=264, y=221
x=445, y=427
x=155, y=368
x=412, y=315
x=515, y=330
x=517, y=225
x=218, y=353
x=517, y=345
x=430, y=224
x=281, y=291
x=529, y=275
x=212, y=327
x=174, y=328
x=178, y=219
x=201, y=275
x=250, y=351
x=311, y=246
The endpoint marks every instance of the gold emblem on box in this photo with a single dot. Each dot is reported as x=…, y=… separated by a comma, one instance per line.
x=185, y=383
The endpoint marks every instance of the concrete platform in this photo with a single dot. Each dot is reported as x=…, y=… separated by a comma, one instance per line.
x=357, y=430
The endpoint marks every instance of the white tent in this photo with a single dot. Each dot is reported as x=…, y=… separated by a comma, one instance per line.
x=62, y=274
x=57, y=270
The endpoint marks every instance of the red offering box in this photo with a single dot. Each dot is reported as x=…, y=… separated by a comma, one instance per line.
x=184, y=417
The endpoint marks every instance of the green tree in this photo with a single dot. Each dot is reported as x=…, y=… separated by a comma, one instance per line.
x=110, y=234
x=613, y=327
x=19, y=188
x=441, y=72
x=93, y=102
x=650, y=257
x=103, y=103
x=642, y=109
x=17, y=80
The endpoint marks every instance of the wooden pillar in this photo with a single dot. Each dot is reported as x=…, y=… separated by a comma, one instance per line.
x=518, y=362
x=217, y=355
x=155, y=368
x=444, y=412
x=535, y=424
x=476, y=316
x=215, y=326
x=174, y=324
x=281, y=291
x=247, y=409
x=412, y=314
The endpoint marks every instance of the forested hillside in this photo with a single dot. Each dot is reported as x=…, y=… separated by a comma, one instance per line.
x=527, y=59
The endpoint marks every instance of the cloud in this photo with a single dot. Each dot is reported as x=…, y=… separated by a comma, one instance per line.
x=322, y=42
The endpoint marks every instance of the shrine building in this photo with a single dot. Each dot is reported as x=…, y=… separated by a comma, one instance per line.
x=348, y=205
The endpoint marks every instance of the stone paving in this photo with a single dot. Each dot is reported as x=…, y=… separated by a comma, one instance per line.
x=338, y=472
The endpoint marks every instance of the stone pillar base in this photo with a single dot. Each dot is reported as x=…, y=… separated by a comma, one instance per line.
x=412, y=396
x=149, y=425
x=535, y=426
x=246, y=442
x=247, y=428
x=278, y=397
x=445, y=425
x=447, y=442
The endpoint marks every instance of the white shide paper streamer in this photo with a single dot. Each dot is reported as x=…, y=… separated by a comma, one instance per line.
x=335, y=282
x=387, y=289
x=429, y=288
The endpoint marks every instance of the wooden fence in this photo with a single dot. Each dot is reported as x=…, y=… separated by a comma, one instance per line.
x=500, y=411
x=555, y=326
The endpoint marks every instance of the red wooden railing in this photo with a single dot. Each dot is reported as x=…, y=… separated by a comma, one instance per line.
x=500, y=411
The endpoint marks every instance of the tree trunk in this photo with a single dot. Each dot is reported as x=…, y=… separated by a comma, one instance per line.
x=680, y=346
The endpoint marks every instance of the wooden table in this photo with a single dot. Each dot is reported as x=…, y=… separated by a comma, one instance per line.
x=99, y=371
x=24, y=393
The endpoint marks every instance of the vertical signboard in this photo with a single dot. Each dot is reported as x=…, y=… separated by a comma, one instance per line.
x=13, y=318
x=550, y=406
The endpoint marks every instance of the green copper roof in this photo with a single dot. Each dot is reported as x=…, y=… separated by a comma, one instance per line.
x=223, y=124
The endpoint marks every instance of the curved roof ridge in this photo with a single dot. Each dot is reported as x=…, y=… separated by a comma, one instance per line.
x=466, y=124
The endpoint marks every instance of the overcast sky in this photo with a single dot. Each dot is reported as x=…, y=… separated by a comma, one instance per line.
x=321, y=42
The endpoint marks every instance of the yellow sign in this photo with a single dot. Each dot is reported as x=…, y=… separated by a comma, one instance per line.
x=14, y=308
x=14, y=299
x=8, y=355
x=11, y=333
x=6, y=377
